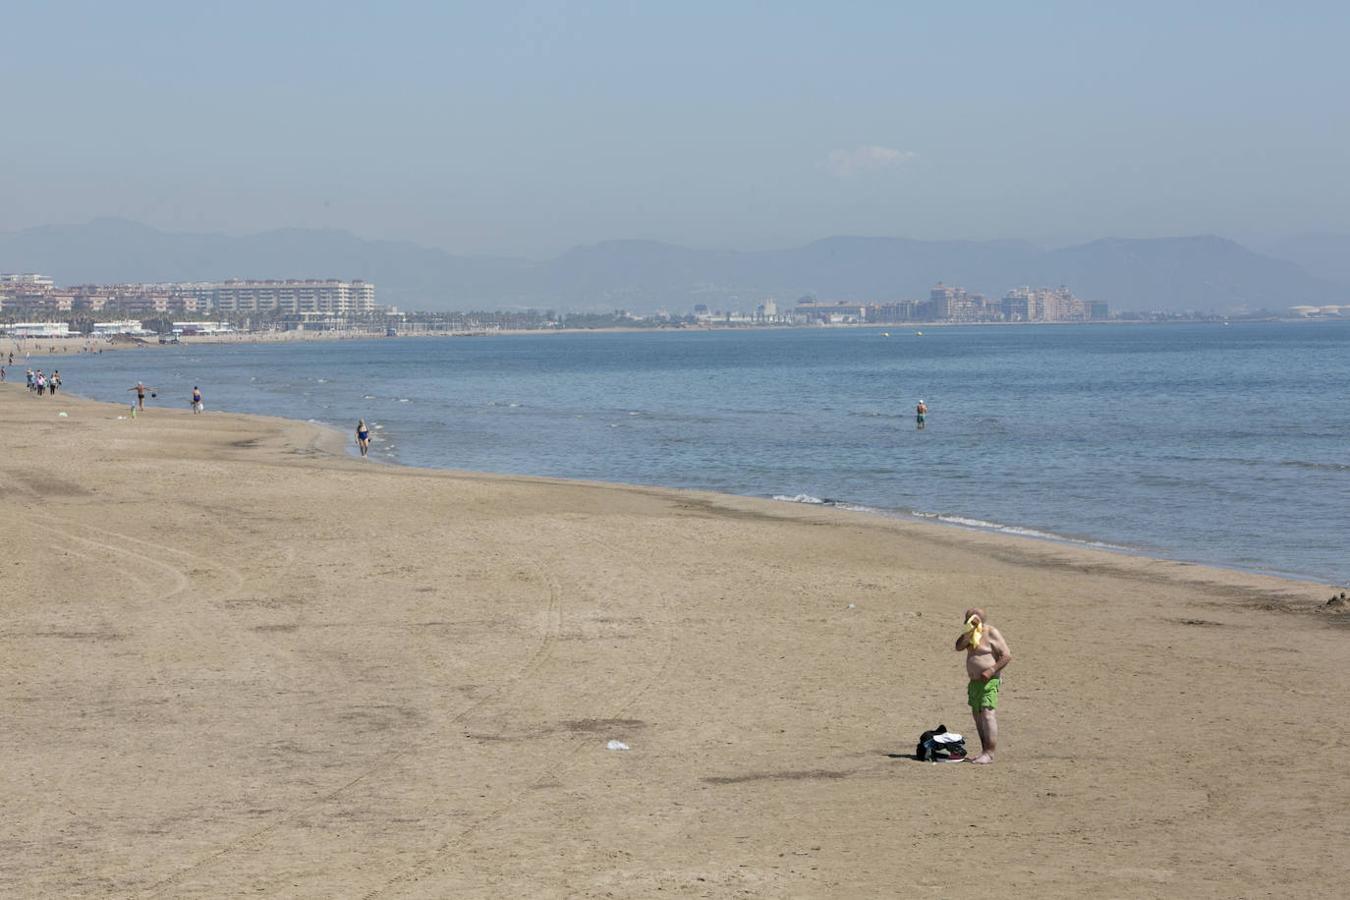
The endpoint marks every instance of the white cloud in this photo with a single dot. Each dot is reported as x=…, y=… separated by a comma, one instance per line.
x=867, y=158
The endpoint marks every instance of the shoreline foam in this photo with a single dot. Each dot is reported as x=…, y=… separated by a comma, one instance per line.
x=961, y=522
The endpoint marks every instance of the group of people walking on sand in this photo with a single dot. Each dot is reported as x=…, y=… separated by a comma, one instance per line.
x=40, y=382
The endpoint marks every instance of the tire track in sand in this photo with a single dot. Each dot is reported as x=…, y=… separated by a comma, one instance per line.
x=182, y=581
x=254, y=840
x=434, y=861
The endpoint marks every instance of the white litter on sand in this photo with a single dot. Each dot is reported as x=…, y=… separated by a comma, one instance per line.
x=616, y=745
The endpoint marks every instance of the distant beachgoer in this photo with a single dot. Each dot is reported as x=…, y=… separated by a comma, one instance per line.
x=41, y=383
x=987, y=654
x=2, y=373
x=197, y=405
x=920, y=413
x=140, y=390
x=363, y=437
x=54, y=382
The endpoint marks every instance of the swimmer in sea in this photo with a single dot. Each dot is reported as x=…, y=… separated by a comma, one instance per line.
x=920, y=412
x=363, y=437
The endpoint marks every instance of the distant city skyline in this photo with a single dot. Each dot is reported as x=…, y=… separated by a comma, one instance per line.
x=527, y=131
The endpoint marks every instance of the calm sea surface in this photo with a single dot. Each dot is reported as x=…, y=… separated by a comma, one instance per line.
x=1217, y=444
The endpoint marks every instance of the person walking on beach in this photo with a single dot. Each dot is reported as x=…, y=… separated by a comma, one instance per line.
x=920, y=412
x=197, y=405
x=987, y=655
x=54, y=382
x=363, y=436
x=140, y=390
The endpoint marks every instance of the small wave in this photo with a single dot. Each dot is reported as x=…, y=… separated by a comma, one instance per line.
x=832, y=503
x=368, y=397
x=1020, y=531
x=1318, y=466
x=404, y=400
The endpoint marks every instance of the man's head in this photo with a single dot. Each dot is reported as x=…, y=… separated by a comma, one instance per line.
x=976, y=612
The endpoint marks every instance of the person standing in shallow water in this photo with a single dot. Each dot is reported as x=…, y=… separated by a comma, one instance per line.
x=363, y=436
x=196, y=400
x=920, y=413
x=987, y=655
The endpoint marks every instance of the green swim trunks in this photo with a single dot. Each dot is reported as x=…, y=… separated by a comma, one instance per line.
x=983, y=694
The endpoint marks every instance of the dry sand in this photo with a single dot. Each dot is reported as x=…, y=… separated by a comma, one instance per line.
x=238, y=662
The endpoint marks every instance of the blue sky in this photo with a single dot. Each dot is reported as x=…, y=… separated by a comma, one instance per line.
x=528, y=128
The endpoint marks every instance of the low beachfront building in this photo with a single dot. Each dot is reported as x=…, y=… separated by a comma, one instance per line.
x=37, y=330
x=126, y=326
x=203, y=328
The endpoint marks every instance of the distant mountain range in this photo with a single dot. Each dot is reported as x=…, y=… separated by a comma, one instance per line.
x=1187, y=273
x=1323, y=255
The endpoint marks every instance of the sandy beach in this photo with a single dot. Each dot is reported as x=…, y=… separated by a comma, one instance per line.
x=238, y=661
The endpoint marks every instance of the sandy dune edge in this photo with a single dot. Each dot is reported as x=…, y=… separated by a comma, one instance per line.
x=236, y=661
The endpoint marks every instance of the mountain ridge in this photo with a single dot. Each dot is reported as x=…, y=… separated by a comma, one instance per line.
x=1198, y=272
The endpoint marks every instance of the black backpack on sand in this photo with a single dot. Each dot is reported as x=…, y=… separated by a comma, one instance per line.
x=940, y=745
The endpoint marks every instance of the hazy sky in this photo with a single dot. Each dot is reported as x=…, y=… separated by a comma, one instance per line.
x=528, y=128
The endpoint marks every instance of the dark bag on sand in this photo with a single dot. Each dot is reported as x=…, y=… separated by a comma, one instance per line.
x=940, y=745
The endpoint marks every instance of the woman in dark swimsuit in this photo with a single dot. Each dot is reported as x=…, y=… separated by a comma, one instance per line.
x=363, y=437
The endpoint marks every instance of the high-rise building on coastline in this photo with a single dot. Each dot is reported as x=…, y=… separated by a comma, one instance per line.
x=1026, y=304
x=947, y=303
x=954, y=304
x=25, y=281
x=32, y=294
x=339, y=298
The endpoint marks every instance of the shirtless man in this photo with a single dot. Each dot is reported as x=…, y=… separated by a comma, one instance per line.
x=140, y=390
x=984, y=662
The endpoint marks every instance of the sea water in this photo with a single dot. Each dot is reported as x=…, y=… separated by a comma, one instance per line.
x=1202, y=442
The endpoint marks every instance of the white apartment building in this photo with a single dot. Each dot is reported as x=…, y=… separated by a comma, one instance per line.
x=26, y=280
x=342, y=298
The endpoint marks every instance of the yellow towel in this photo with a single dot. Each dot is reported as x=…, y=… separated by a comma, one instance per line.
x=974, y=631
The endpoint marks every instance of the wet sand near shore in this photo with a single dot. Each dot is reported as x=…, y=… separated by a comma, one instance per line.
x=238, y=661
